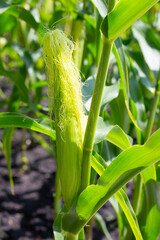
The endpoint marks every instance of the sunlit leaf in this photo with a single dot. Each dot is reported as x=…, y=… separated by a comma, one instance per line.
x=127, y=165
x=101, y=7
x=44, y=126
x=113, y=134
x=123, y=15
x=7, y=23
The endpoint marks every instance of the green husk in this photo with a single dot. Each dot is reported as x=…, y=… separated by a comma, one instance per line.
x=65, y=100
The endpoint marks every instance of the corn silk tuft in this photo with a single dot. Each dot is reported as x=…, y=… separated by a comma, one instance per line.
x=65, y=100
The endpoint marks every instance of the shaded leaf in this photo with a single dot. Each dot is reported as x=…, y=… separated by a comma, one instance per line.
x=101, y=224
x=18, y=80
x=148, y=45
x=110, y=92
x=3, y=6
x=23, y=14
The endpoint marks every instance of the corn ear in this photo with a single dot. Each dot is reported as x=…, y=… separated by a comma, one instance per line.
x=65, y=100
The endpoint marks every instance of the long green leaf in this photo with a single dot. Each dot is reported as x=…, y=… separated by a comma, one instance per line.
x=152, y=228
x=7, y=22
x=117, y=136
x=123, y=70
x=121, y=198
x=101, y=224
x=113, y=134
x=146, y=39
x=24, y=15
x=123, y=15
x=126, y=166
x=22, y=121
x=101, y=6
x=128, y=210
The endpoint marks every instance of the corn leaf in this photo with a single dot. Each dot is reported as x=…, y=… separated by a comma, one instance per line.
x=3, y=6
x=142, y=69
x=110, y=93
x=27, y=59
x=118, y=137
x=44, y=144
x=101, y=7
x=124, y=202
x=152, y=229
x=102, y=225
x=7, y=23
x=113, y=134
x=137, y=104
x=149, y=44
x=58, y=235
x=123, y=71
x=121, y=197
x=123, y=168
x=44, y=126
x=123, y=15
x=57, y=225
x=23, y=14
x=126, y=166
x=18, y=80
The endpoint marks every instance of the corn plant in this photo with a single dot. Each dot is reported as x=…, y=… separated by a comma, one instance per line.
x=79, y=137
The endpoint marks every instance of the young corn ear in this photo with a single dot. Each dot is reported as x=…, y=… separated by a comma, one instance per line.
x=65, y=100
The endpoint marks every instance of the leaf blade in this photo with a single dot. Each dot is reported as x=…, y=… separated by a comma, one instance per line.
x=123, y=15
x=22, y=121
x=127, y=165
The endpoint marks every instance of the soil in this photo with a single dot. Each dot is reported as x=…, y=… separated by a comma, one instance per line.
x=28, y=214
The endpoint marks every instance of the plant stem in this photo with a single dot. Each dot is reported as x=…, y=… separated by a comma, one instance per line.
x=70, y=236
x=57, y=197
x=94, y=112
x=137, y=194
x=95, y=106
x=153, y=110
x=84, y=5
x=89, y=228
